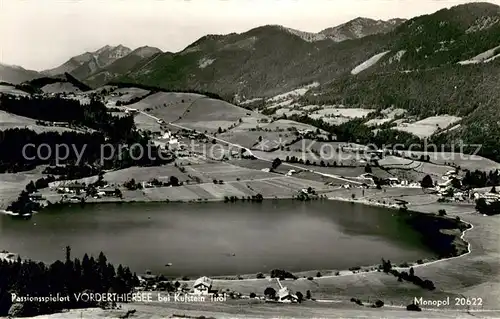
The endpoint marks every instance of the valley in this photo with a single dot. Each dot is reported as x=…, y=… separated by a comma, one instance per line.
x=367, y=141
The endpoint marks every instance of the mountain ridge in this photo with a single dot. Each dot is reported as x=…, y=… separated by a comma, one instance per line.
x=15, y=74
x=81, y=64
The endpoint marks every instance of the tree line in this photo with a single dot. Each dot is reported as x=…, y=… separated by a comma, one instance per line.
x=94, y=115
x=68, y=277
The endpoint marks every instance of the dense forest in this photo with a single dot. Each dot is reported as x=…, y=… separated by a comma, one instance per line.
x=103, y=129
x=55, y=109
x=24, y=149
x=38, y=83
x=73, y=276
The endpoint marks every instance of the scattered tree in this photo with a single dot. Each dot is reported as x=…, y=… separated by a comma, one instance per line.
x=368, y=169
x=427, y=182
x=308, y=294
x=270, y=293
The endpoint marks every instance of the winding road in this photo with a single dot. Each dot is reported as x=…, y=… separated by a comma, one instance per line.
x=244, y=148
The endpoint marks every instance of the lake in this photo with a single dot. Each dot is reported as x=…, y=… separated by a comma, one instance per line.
x=218, y=238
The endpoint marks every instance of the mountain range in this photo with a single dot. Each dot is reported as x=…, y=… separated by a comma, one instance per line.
x=121, y=63
x=445, y=62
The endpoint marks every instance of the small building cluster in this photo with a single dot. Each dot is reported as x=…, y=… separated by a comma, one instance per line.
x=74, y=192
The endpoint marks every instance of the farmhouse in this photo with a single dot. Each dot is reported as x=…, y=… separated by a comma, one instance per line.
x=173, y=144
x=202, y=286
x=108, y=192
x=147, y=185
x=285, y=295
x=36, y=196
x=71, y=188
x=393, y=181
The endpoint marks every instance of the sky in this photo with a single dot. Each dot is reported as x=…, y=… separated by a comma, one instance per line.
x=42, y=34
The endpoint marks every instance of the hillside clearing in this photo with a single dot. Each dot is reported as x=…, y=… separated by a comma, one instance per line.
x=465, y=161
x=125, y=94
x=388, y=114
x=368, y=63
x=293, y=94
x=8, y=89
x=60, y=87
x=10, y=121
x=428, y=126
x=486, y=56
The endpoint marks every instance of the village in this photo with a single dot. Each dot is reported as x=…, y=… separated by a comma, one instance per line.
x=203, y=287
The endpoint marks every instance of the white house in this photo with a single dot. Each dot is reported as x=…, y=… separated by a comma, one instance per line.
x=173, y=144
x=167, y=135
x=444, y=184
x=451, y=173
x=285, y=295
x=393, y=181
x=202, y=286
x=290, y=172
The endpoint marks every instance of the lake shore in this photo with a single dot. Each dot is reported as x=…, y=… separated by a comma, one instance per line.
x=359, y=269
x=331, y=282
x=463, y=250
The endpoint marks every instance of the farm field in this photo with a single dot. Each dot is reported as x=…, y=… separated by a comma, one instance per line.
x=294, y=93
x=348, y=159
x=288, y=124
x=207, y=109
x=250, y=163
x=288, y=112
x=412, y=170
x=247, y=123
x=349, y=113
x=210, y=127
x=308, y=144
x=272, y=187
x=7, y=89
x=340, y=171
x=206, y=114
x=376, y=122
x=226, y=172
x=332, y=120
x=168, y=106
x=397, y=162
x=250, y=139
x=237, y=181
x=428, y=126
x=125, y=94
x=388, y=115
x=470, y=162
x=11, y=185
x=60, y=87
x=146, y=123
x=9, y=121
